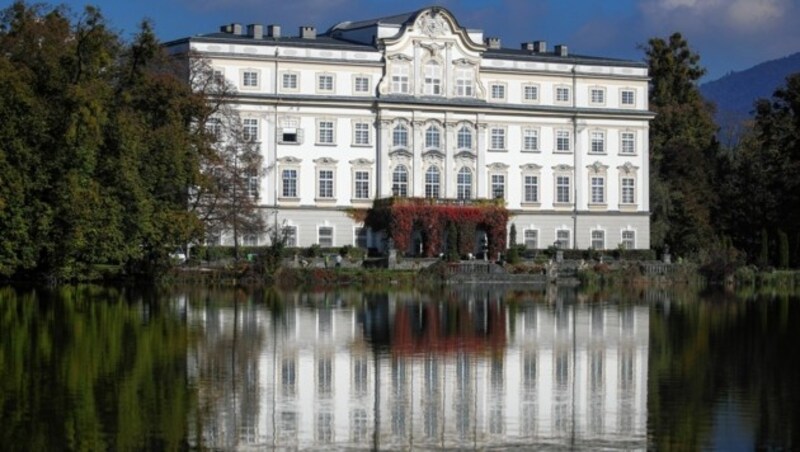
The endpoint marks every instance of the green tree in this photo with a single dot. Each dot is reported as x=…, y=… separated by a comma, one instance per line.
x=682, y=148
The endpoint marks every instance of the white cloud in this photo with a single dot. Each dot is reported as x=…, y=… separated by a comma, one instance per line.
x=741, y=15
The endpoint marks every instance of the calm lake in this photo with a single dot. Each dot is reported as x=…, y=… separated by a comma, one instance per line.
x=93, y=368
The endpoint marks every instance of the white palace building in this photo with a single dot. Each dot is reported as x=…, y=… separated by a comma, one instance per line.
x=415, y=105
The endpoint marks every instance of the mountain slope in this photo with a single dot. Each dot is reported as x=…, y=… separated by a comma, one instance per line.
x=735, y=93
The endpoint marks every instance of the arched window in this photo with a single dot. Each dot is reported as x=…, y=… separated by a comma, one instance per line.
x=464, y=183
x=464, y=138
x=432, y=182
x=433, y=78
x=400, y=136
x=432, y=138
x=400, y=181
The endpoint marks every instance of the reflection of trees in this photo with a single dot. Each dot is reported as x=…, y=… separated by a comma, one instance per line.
x=704, y=350
x=91, y=369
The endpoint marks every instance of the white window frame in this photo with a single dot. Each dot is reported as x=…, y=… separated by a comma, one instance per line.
x=356, y=230
x=433, y=189
x=563, y=141
x=362, y=133
x=530, y=139
x=624, y=241
x=526, y=240
x=399, y=187
x=432, y=79
x=290, y=234
x=464, y=82
x=290, y=126
x=400, y=78
x=597, y=142
x=622, y=94
x=326, y=132
x=332, y=236
x=626, y=191
x=498, y=91
x=433, y=137
x=250, y=78
x=597, y=189
x=361, y=78
x=627, y=138
x=527, y=90
x=396, y=143
x=597, y=237
x=498, y=179
x=562, y=95
x=498, y=138
x=563, y=182
x=597, y=95
x=563, y=238
x=326, y=193
x=250, y=130
x=292, y=188
x=326, y=83
x=464, y=183
x=463, y=132
x=362, y=187
x=290, y=81
x=536, y=184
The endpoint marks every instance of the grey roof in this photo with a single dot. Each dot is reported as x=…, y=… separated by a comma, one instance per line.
x=553, y=57
x=397, y=19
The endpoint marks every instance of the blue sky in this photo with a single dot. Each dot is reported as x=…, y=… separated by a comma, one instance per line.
x=729, y=35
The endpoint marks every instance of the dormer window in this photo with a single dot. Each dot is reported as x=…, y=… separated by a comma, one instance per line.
x=400, y=79
x=465, y=83
x=433, y=78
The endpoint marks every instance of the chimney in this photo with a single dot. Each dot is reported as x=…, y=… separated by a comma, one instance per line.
x=274, y=31
x=308, y=32
x=492, y=43
x=526, y=46
x=561, y=50
x=540, y=46
x=255, y=31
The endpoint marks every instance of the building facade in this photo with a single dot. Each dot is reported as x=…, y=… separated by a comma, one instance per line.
x=415, y=105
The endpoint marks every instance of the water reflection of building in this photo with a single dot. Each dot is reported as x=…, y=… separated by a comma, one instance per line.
x=440, y=374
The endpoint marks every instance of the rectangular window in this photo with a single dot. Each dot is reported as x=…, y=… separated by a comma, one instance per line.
x=289, y=179
x=325, y=82
x=325, y=132
x=498, y=186
x=562, y=140
x=598, y=96
x=325, y=184
x=530, y=140
x=250, y=129
x=362, y=184
x=289, y=81
x=498, y=138
x=628, y=240
x=464, y=85
x=289, y=135
x=627, y=143
x=531, y=188
x=498, y=91
x=251, y=178
x=250, y=79
x=325, y=236
x=562, y=94
x=562, y=238
x=361, y=133
x=598, y=240
x=361, y=85
x=563, y=189
x=530, y=93
x=531, y=239
x=400, y=79
x=290, y=234
x=628, y=190
x=598, y=189
x=598, y=142
x=627, y=98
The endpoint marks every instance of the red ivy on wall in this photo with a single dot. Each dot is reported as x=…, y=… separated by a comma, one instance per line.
x=400, y=217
